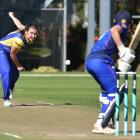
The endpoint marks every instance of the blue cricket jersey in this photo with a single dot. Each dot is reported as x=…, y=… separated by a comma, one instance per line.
x=105, y=47
x=100, y=61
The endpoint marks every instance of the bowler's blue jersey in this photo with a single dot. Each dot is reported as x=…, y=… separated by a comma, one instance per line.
x=13, y=39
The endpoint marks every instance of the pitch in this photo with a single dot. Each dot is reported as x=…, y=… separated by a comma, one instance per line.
x=55, y=107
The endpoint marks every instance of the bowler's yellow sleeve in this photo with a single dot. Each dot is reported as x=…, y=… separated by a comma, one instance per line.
x=17, y=43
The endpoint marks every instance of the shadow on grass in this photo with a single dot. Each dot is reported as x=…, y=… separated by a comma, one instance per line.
x=41, y=104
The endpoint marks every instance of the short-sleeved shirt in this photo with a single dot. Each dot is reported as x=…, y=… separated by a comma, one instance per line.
x=105, y=47
x=13, y=39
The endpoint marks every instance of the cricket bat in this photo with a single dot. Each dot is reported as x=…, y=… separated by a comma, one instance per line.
x=135, y=38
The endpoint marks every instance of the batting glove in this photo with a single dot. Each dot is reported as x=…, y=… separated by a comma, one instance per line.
x=123, y=66
x=126, y=54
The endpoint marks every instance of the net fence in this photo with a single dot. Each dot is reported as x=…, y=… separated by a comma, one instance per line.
x=47, y=51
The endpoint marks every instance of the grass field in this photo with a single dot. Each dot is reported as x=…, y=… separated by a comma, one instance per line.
x=55, y=107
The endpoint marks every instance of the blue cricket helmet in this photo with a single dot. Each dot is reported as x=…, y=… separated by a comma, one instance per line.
x=123, y=16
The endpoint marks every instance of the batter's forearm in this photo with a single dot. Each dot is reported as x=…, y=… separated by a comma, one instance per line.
x=117, y=39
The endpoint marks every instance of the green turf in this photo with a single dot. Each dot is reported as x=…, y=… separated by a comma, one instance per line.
x=4, y=137
x=61, y=90
x=58, y=90
x=81, y=91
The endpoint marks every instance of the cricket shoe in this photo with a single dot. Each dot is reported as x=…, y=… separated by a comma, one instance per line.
x=99, y=130
x=11, y=94
x=7, y=103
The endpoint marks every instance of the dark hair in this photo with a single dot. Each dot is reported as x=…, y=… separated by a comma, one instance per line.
x=28, y=26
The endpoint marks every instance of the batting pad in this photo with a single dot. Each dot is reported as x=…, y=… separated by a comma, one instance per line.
x=111, y=109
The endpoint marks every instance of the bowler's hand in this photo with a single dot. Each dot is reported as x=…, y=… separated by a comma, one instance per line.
x=21, y=68
x=11, y=14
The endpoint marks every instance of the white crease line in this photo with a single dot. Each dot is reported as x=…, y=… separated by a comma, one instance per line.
x=12, y=135
x=40, y=102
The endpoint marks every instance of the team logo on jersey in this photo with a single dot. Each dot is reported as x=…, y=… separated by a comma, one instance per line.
x=123, y=21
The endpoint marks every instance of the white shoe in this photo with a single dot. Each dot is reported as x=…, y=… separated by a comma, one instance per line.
x=11, y=94
x=100, y=130
x=7, y=103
